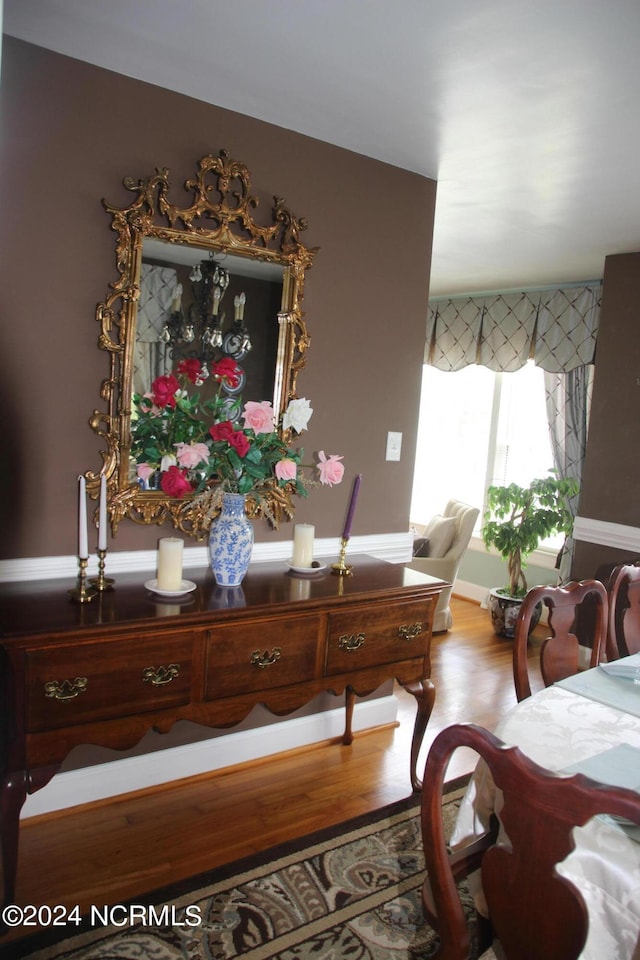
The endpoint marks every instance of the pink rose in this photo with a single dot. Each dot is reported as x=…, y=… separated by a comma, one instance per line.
x=258, y=416
x=330, y=469
x=144, y=471
x=191, y=454
x=286, y=469
x=148, y=406
x=174, y=482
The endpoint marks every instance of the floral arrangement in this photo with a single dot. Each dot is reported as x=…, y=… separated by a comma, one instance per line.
x=183, y=441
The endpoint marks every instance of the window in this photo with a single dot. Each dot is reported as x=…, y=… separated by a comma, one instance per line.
x=478, y=428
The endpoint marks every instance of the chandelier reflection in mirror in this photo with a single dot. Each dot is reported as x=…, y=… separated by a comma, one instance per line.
x=197, y=330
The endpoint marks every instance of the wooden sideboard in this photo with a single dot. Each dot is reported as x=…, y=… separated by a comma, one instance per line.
x=108, y=671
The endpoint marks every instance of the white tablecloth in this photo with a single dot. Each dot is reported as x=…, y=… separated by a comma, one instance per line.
x=557, y=729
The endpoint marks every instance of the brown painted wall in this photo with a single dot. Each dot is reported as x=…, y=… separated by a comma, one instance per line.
x=610, y=479
x=70, y=133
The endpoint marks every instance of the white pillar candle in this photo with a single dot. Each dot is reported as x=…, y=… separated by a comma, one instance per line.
x=83, y=549
x=170, y=563
x=102, y=516
x=303, y=534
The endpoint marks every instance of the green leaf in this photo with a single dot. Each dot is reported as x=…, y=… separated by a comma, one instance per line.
x=518, y=518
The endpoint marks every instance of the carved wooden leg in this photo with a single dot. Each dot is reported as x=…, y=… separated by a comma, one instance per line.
x=13, y=793
x=425, y=694
x=349, y=704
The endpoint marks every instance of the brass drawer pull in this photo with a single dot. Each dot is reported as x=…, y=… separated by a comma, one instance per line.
x=265, y=659
x=409, y=632
x=162, y=675
x=66, y=690
x=349, y=642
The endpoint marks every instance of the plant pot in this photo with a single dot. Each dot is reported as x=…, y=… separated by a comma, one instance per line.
x=504, y=610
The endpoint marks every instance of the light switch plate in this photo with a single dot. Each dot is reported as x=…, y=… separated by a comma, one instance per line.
x=394, y=446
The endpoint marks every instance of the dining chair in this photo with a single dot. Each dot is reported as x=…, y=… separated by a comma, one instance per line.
x=623, y=636
x=533, y=912
x=560, y=652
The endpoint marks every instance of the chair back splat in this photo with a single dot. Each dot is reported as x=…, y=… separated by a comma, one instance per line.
x=534, y=913
x=560, y=652
x=623, y=637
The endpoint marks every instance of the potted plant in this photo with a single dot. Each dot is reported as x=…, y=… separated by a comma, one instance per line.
x=516, y=520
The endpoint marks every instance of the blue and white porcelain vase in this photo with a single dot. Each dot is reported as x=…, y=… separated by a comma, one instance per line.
x=230, y=541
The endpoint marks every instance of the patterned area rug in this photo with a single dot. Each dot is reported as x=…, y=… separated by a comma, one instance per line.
x=351, y=893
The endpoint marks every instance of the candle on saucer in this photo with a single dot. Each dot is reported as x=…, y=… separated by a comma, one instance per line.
x=102, y=516
x=303, y=534
x=83, y=549
x=352, y=506
x=170, y=563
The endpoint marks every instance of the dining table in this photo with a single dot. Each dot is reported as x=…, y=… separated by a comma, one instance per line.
x=587, y=723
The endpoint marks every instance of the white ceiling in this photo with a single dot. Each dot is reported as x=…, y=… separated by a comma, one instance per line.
x=526, y=112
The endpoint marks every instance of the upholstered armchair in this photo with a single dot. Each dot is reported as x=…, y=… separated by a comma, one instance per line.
x=448, y=537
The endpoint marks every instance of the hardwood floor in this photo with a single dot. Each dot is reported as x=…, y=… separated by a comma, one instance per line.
x=120, y=849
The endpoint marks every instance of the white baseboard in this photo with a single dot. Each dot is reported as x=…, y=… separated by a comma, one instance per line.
x=470, y=591
x=394, y=547
x=105, y=780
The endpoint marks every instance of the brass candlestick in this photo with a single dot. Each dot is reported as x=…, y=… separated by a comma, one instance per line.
x=81, y=593
x=101, y=582
x=341, y=568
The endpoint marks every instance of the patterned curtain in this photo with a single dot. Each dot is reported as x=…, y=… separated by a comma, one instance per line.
x=568, y=397
x=557, y=329
x=152, y=357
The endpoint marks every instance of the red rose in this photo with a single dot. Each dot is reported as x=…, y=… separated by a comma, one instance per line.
x=227, y=370
x=240, y=443
x=174, y=482
x=191, y=369
x=222, y=431
x=164, y=389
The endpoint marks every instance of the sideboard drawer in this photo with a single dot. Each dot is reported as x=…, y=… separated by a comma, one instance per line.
x=261, y=655
x=100, y=681
x=378, y=633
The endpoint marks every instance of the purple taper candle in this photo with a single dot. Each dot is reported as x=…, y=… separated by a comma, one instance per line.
x=352, y=507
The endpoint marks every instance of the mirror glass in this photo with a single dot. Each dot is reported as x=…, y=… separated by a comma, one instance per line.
x=176, y=320
x=201, y=283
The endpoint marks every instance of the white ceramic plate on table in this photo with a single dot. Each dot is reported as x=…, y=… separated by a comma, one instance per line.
x=187, y=586
x=307, y=570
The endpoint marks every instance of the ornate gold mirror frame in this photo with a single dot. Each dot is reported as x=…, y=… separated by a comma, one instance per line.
x=220, y=221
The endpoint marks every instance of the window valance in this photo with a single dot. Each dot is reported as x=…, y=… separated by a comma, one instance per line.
x=556, y=328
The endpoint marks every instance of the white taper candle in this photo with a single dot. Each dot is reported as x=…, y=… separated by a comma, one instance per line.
x=83, y=549
x=102, y=516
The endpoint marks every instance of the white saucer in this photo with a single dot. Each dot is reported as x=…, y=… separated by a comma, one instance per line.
x=307, y=570
x=187, y=586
